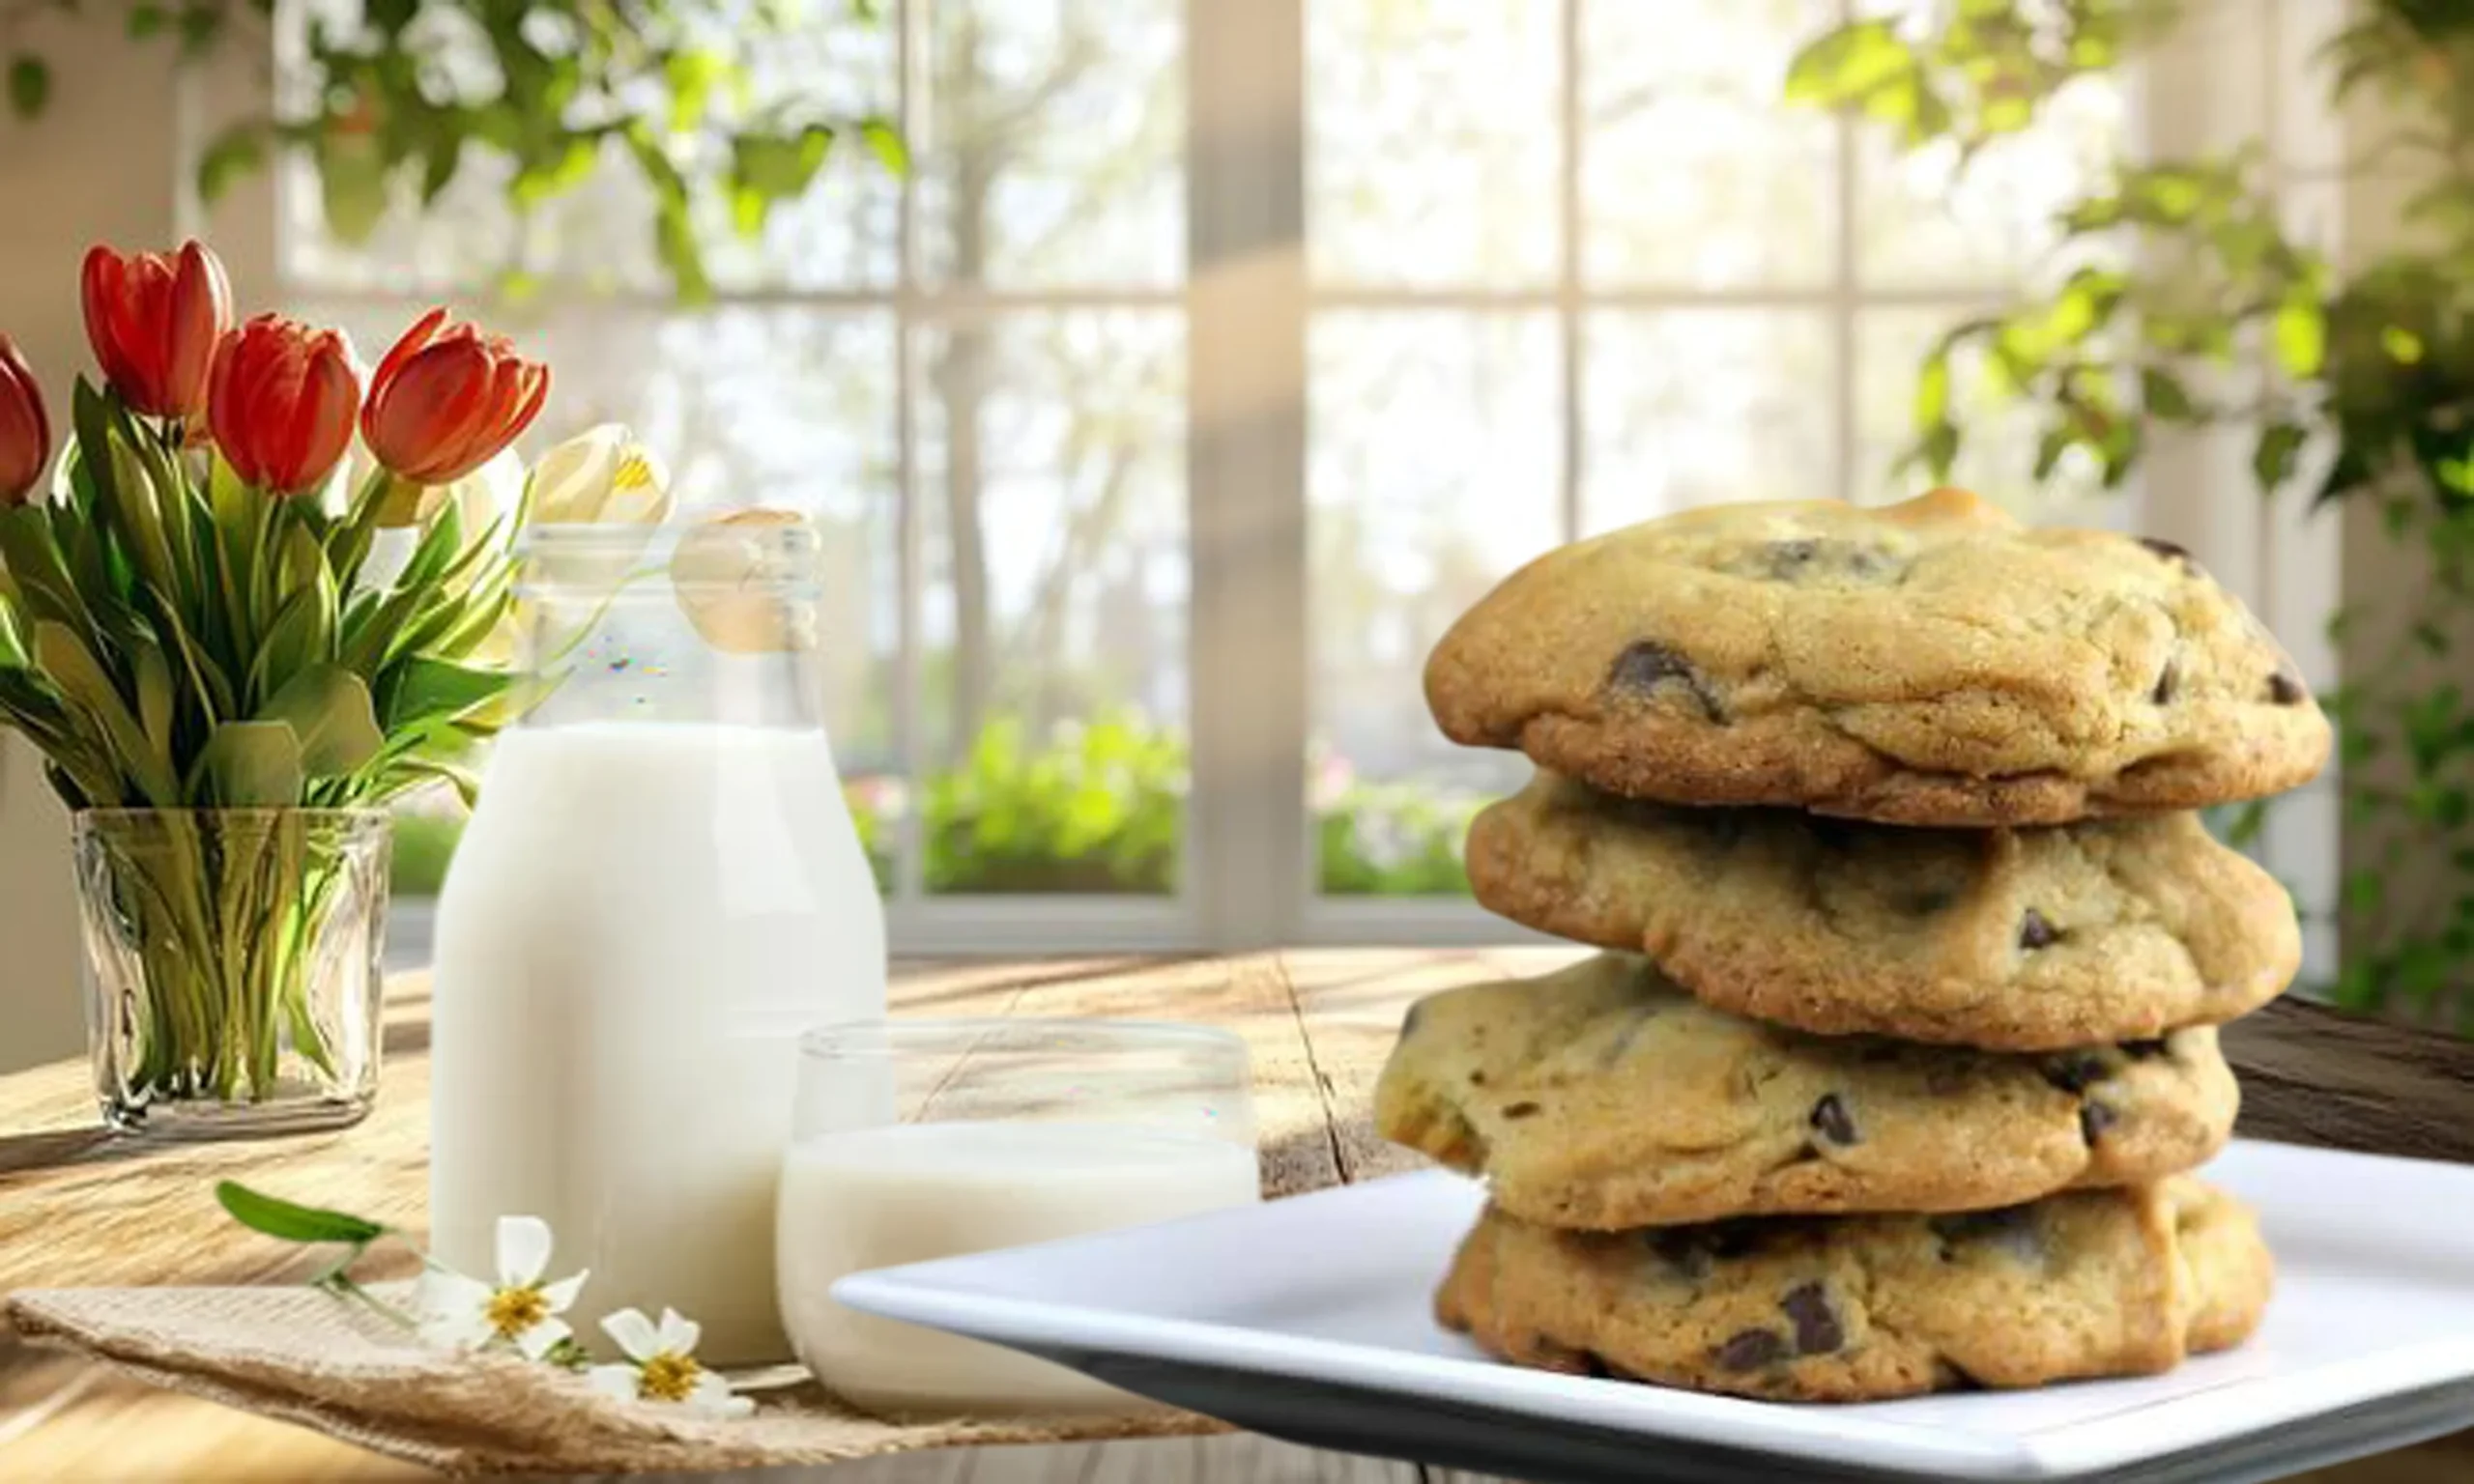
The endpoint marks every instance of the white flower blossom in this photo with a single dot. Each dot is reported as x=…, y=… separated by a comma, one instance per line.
x=519, y=1309
x=661, y=1367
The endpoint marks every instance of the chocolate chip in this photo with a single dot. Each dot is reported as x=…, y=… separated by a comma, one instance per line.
x=2094, y=1118
x=2143, y=1050
x=2167, y=550
x=1795, y=558
x=1926, y=904
x=2035, y=932
x=1646, y=665
x=1818, y=1331
x=1785, y=556
x=1478, y=1077
x=1750, y=1350
x=2167, y=681
x=2285, y=690
x=1830, y=1119
x=2076, y=1072
x=1519, y=1110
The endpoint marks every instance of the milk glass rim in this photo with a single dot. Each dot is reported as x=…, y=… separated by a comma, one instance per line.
x=853, y=1039
x=633, y=538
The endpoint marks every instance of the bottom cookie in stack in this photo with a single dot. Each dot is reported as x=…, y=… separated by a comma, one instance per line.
x=2091, y=1283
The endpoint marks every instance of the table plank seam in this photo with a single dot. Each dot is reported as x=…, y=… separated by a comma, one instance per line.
x=1314, y=1070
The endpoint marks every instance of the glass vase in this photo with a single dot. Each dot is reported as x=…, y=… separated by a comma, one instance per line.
x=232, y=966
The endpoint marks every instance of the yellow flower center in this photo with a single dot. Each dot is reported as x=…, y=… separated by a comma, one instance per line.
x=514, y=1310
x=633, y=473
x=669, y=1377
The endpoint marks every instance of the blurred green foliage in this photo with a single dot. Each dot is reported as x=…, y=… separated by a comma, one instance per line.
x=1097, y=807
x=2216, y=315
x=424, y=841
x=394, y=101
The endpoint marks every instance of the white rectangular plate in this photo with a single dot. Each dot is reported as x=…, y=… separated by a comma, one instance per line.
x=1309, y=1318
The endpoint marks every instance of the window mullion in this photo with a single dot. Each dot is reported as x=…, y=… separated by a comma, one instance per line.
x=1248, y=848
x=910, y=850
x=1568, y=285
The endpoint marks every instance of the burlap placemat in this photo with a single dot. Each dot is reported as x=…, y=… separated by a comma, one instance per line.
x=306, y=1356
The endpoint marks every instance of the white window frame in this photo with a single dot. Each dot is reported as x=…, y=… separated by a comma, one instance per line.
x=1249, y=873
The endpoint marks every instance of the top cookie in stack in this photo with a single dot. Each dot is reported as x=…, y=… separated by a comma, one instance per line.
x=1927, y=663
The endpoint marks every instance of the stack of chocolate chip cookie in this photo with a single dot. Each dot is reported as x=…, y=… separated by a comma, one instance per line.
x=1905, y=1034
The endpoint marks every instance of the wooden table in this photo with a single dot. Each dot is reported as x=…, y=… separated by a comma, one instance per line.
x=79, y=1208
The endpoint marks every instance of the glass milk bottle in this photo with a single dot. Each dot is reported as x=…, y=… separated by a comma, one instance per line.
x=660, y=888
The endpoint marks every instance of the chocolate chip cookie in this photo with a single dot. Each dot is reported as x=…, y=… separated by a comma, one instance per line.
x=1603, y=1097
x=2014, y=939
x=1927, y=663
x=1858, y=1308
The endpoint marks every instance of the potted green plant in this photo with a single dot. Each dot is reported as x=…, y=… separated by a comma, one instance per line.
x=194, y=632
x=2372, y=362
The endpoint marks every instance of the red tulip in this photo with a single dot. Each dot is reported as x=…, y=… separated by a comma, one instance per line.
x=154, y=321
x=446, y=399
x=25, y=438
x=281, y=402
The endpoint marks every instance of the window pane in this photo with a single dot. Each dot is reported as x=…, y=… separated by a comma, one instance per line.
x=1696, y=407
x=1055, y=142
x=1433, y=468
x=1694, y=172
x=1432, y=141
x=1921, y=220
x=1051, y=481
x=1999, y=458
x=599, y=235
x=776, y=407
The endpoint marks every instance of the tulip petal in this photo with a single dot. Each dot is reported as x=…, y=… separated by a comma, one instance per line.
x=201, y=309
x=408, y=345
x=25, y=434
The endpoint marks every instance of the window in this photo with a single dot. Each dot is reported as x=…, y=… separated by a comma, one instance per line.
x=1137, y=565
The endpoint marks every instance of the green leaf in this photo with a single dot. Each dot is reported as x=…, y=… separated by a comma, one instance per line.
x=1846, y=65
x=351, y=180
x=885, y=142
x=2273, y=460
x=2301, y=333
x=429, y=690
x=1933, y=389
x=2164, y=394
x=691, y=75
x=156, y=702
x=236, y=151
x=29, y=85
x=249, y=766
x=1939, y=448
x=329, y=710
x=87, y=686
x=287, y=1222
x=147, y=20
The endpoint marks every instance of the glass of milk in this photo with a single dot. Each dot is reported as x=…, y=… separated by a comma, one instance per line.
x=660, y=889
x=921, y=1139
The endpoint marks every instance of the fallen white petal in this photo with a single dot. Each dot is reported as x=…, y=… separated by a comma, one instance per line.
x=613, y=1381
x=712, y=1397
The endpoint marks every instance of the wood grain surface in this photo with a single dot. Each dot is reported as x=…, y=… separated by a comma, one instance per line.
x=79, y=1208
